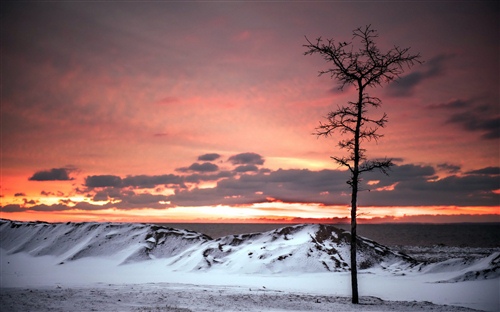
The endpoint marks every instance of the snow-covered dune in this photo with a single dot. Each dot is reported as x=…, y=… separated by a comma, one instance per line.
x=300, y=248
x=466, y=269
x=105, y=261
x=72, y=241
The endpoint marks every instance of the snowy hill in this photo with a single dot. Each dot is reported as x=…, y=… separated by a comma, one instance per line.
x=72, y=241
x=300, y=248
x=110, y=266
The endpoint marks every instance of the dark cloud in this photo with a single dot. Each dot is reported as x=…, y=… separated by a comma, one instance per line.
x=197, y=167
x=405, y=85
x=489, y=126
x=246, y=168
x=100, y=196
x=103, y=181
x=54, y=207
x=103, y=195
x=400, y=173
x=449, y=168
x=148, y=181
x=209, y=157
x=197, y=178
x=131, y=200
x=246, y=159
x=40, y=207
x=58, y=193
x=286, y=185
x=476, y=115
x=29, y=202
x=486, y=171
x=407, y=185
x=423, y=188
x=451, y=105
x=137, y=181
x=19, y=194
x=54, y=174
x=126, y=199
x=91, y=207
x=12, y=208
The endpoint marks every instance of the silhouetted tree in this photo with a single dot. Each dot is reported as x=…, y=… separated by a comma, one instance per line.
x=364, y=67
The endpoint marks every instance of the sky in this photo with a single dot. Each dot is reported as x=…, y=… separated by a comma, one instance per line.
x=204, y=111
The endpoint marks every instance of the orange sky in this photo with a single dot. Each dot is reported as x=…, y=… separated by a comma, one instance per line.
x=204, y=111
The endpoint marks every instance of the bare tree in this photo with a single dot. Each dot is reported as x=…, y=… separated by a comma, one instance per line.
x=365, y=67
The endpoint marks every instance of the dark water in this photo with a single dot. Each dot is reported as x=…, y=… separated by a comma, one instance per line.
x=408, y=234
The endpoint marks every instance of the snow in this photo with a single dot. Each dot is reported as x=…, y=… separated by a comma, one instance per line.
x=137, y=267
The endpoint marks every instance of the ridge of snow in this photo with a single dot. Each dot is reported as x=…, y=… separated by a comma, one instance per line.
x=126, y=242
x=304, y=248
x=480, y=269
x=125, y=258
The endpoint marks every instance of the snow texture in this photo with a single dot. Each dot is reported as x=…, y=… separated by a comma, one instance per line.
x=143, y=267
x=300, y=248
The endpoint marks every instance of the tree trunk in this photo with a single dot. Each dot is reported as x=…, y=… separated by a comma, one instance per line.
x=354, y=195
x=354, y=267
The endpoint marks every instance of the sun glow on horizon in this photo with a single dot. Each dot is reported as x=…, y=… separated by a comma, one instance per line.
x=277, y=212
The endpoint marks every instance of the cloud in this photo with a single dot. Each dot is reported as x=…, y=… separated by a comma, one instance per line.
x=30, y=202
x=405, y=85
x=209, y=157
x=197, y=178
x=131, y=200
x=451, y=105
x=486, y=171
x=423, y=188
x=122, y=199
x=54, y=174
x=19, y=194
x=246, y=168
x=474, y=115
x=136, y=181
x=126, y=199
x=41, y=207
x=150, y=181
x=12, y=208
x=107, y=194
x=286, y=185
x=246, y=184
x=103, y=181
x=402, y=173
x=407, y=185
x=449, y=168
x=246, y=159
x=45, y=193
x=197, y=167
x=489, y=126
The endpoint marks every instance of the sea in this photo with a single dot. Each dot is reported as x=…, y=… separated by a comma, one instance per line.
x=393, y=234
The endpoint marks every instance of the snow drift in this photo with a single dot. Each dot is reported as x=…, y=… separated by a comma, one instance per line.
x=466, y=269
x=72, y=241
x=300, y=248
x=305, y=248
x=118, y=259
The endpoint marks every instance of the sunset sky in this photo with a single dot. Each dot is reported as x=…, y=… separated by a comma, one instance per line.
x=204, y=111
